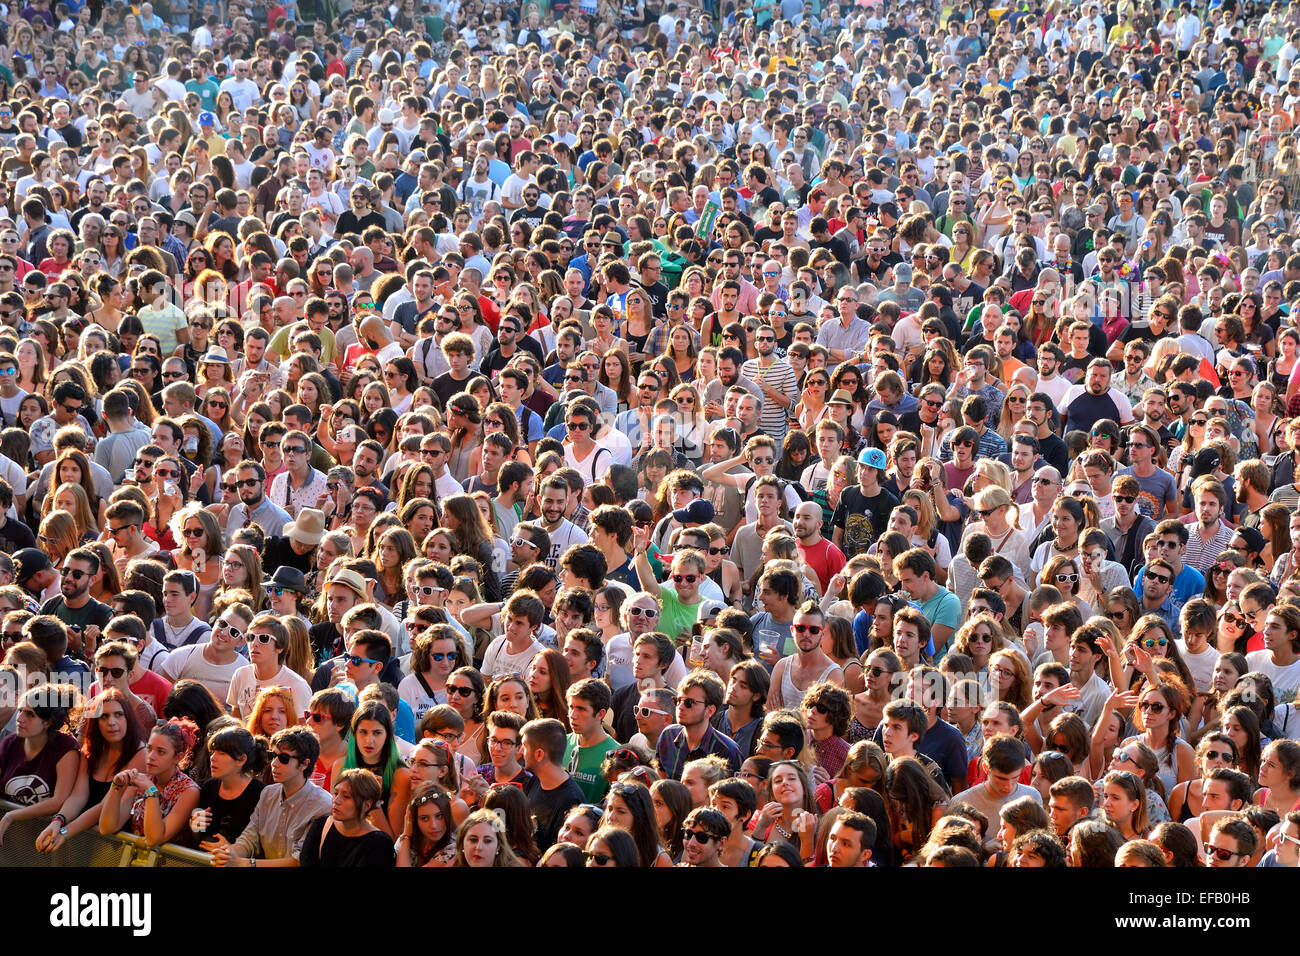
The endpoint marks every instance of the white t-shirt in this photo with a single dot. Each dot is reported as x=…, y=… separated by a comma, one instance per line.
x=411, y=691
x=244, y=688
x=498, y=661
x=1201, y=665
x=1285, y=679
x=189, y=662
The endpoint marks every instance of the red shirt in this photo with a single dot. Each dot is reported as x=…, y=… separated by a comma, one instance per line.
x=824, y=558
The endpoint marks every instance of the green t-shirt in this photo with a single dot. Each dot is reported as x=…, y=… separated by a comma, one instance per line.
x=675, y=617
x=207, y=90
x=583, y=764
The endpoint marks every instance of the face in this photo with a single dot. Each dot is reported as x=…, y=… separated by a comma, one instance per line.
x=513, y=697
x=480, y=845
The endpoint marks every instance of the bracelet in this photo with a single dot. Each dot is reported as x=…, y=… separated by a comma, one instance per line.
x=63, y=821
x=252, y=862
x=151, y=792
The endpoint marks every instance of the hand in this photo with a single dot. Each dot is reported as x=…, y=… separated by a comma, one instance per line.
x=90, y=639
x=140, y=780
x=836, y=583
x=640, y=539
x=770, y=656
x=322, y=499
x=805, y=822
x=1106, y=646
x=196, y=481
x=123, y=780
x=1061, y=695
x=771, y=811
x=819, y=775
x=220, y=850
x=51, y=838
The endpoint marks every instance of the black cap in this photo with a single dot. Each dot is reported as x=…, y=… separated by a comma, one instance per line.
x=28, y=562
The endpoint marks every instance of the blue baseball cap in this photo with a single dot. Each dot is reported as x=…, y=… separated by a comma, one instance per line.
x=873, y=458
x=206, y=118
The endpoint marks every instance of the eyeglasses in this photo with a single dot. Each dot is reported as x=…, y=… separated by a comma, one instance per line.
x=1157, y=578
x=453, y=691
x=685, y=578
x=113, y=672
x=643, y=611
x=813, y=629
x=356, y=660
x=1151, y=707
x=699, y=836
x=285, y=758
x=1222, y=854
x=261, y=638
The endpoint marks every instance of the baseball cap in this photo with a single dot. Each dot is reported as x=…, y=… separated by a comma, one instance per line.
x=873, y=458
x=698, y=511
x=29, y=561
x=207, y=118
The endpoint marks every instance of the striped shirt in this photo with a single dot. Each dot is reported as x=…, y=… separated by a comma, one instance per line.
x=773, y=417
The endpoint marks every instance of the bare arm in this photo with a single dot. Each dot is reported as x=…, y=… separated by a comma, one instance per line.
x=644, y=573
x=719, y=474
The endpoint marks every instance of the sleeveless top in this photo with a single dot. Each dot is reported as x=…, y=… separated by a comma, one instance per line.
x=791, y=696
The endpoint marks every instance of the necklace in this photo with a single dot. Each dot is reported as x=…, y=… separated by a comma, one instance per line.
x=782, y=830
x=173, y=633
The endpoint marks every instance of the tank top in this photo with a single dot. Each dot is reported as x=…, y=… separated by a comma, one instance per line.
x=791, y=696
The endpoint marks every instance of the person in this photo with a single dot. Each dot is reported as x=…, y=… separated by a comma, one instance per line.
x=39, y=761
x=552, y=791
x=699, y=698
x=285, y=810
x=794, y=674
x=704, y=831
x=850, y=840
x=1005, y=758
x=229, y=796
x=588, y=702
x=346, y=837
x=268, y=647
x=157, y=813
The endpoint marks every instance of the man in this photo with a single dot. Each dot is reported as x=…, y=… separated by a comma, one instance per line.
x=815, y=551
x=863, y=512
x=653, y=656
x=699, y=697
x=747, y=689
x=808, y=665
x=846, y=337
x=1157, y=490
x=1069, y=800
x=510, y=340
x=552, y=793
x=521, y=616
x=916, y=572
x=704, y=832
x=299, y=486
x=68, y=400
x=902, y=725
x=973, y=380
x=851, y=838
x=1157, y=596
x=611, y=532
x=74, y=606
x=776, y=379
x=254, y=507
x=268, y=646
x=126, y=540
x=285, y=809
x=504, y=735
x=1232, y=843
x=1210, y=536
x=1279, y=659
x=1085, y=654
x=588, y=702
x=214, y=663
x=1171, y=545
x=1095, y=399
x=369, y=653
x=679, y=605
x=116, y=450
x=563, y=533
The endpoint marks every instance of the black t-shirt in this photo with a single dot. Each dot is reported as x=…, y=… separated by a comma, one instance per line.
x=446, y=385
x=15, y=535
x=409, y=315
x=550, y=808
x=92, y=612
x=278, y=552
x=229, y=817
x=373, y=849
x=861, y=519
x=495, y=361
x=350, y=223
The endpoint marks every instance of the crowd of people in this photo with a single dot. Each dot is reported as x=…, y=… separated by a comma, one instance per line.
x=799, y=433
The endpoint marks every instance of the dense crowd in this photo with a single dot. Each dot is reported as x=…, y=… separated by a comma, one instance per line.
x=794, y=433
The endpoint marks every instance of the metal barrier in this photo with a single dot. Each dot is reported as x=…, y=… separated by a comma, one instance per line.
x=91, y=848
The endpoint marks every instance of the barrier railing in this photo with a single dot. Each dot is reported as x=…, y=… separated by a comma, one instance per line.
x=91, y=848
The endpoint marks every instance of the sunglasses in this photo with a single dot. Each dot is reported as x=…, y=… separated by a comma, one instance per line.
x=459, y=691
x=1151, y=642
x=813, y=629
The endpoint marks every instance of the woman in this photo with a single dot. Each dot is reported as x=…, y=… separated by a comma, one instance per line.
x=431, y=762
x=629, y=807
x=467, y=694
x=241, y=569
x=39, y=757
x=1019, y=816
x=73, y=467
x=272, y=712
x=157, y=802
x=1159, y=710
x=979, y=638
x=110, y=744
x=679, y=348
x=812, y=407
x=548, y=679
x=373, y=746
x=347, y=837
x=1124, y=805
x=481, y=842
x=394, y=548
x=200, y=553
x=998, y=519
x=229, y=796
x=460, y=514
x=1010, y=679
x=605, y=339
x=791, y=812
x=916, y=803
x=70, y=499
x=1068, y=522
x=1213, y=751
x=435, y=653
x=616, y=375
x=428, y=839
x=466, y=423
x=1241, y=724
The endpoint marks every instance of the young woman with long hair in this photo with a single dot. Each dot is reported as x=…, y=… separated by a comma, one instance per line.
x=372, y=746
x=548, y=679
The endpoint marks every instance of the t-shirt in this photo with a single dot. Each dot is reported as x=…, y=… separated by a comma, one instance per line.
x=583, y=764
x=676, y=617
x=31, y=781
x=229, y=817
x=1285, y=679
x=550, y=807
x=92, y=612
x=944, y=609
x=1156, y=490
x=244, y=688
x=498, y=661
x=1201, y=665
x=824, y=558
x=189, y=662
x=861, y=519
x=373, y=849
x=944, y=744
x=988, y=803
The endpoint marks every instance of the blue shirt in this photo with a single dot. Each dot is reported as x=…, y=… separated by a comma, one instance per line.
x=1187, y=585
x=674, y=752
